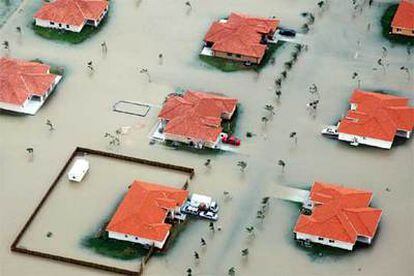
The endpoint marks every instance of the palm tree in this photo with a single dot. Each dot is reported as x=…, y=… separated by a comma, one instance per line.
x=104, y=48
x=284, y=74
x=90, y=66
x=282, y=164
x=226, y=195
x=305, y=28
x=265, y=120
x=250, y=230
x=211, y=226
x=6, y=45
x=278, y=94
x=407, y=70
x=19, y=29
x=231, y=271
x=207, y=163
x=189, y=272
x=278, y=82
x=245, y=252
x=293, y=134
x=203, y=242
x=321, y=4
x=160, y=58
x=196, y=255
x=50, y=125
x=242, y=165
x=270, y=108
x=146, y=72
x=288, y=65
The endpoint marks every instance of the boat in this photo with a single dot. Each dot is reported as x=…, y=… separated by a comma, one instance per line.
x=78, y=170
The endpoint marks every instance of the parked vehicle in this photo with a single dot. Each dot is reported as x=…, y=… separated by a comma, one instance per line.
x=287, y=32
x=208, y=215
x=231, y=140
x=330, y=131
x=191, y=210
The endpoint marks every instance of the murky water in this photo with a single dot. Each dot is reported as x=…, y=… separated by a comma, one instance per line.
x=137, y=31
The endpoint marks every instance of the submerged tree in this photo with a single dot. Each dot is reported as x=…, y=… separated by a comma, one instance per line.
x=145, y=72
x=231, y=271
x=407, y=70
x=282, y=164
x=245, y=252
x=242, y=165
x=250, y=230
x=50, y=125
x=265, y=120
x=270, y=108
x=293, y=135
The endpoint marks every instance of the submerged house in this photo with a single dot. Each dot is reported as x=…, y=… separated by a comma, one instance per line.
x=142, y=214
x=339, y=217
x=241, y=37
x=25, y=85
x=71, y=15
x=195, y=118
x=403, y=21
x=375, y=119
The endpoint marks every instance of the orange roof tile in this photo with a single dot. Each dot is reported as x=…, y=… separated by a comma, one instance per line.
x=72, y=12
x=377, y=116
x=19, y=80
x=339, y=213
x=404, y=17
x=143, y=210
x=196, y=114
x=241, y=34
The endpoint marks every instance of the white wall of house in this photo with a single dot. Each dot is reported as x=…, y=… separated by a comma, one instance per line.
x=188, y=140
x=324, y=241
x=365, y=140
x=134, y=239
x=55, y=25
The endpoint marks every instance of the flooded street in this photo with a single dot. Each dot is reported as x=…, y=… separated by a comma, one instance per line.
x=137, y=31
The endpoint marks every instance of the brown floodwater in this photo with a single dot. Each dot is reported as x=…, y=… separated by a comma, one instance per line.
x=137, y=31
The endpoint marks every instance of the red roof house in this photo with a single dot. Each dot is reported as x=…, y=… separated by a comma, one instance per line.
x=71, y=15
x=241, y=37
x=196, y=117
x=375, y=119
x=140, y=217
x=25, y=85
x=403, y=21
x=340, y=217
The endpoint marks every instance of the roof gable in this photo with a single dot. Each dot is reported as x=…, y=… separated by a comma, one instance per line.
x=19, y=80
x=340, y=214
x=241, y=34
x=144, y=208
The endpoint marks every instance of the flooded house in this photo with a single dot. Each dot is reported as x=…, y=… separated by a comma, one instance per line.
x=71, y=15
x=195, y=118
x=25, y=85
x=375, y=119
x=142, y=215
x=240, y=37
x=337, y=217
x=403, y=21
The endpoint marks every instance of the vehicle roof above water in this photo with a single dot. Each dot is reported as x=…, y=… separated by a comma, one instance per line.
x=197, y=199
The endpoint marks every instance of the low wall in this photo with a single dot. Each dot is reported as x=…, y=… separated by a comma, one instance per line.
x=79, y=150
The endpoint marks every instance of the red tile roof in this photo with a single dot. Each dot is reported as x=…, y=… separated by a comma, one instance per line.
x=340, y=214
x=143, y=210
x=377, y=116
x=404, y=17
x=196, y=114
x=72, y=12
x=241, y=34
x=20, y=79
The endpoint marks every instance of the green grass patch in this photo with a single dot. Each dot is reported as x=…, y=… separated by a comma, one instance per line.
x=226, y=65
x=123, y=250
x=386, y=28
x=68, y=36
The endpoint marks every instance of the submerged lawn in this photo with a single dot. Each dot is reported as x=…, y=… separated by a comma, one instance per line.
x=122, y=250
x=68, y=36
x=226, y=65
x=386, y=28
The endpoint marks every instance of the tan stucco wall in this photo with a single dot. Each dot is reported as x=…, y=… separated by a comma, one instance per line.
x=234, y=57
x=406, y=32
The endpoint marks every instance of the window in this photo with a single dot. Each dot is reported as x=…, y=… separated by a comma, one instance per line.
x=52, y=23
x=331, y=241
x=239, y=56
x=60, y=25
x=321, y=239
x=136, y=238
x=126, y=236
x=398, y=30
x=67, y=26
x=229, y=54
